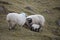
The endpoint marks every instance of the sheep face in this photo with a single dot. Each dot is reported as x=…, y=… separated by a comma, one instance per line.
x=29, y=20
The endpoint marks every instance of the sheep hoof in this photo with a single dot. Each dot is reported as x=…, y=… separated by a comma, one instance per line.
x=12, y=28
x=36, y=30
x=9, y=29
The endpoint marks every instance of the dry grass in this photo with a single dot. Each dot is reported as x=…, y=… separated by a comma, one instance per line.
x=51, y=31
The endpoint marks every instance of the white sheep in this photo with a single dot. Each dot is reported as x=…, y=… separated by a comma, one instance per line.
x=35, y=27
x=35, y=19
x=15, y=18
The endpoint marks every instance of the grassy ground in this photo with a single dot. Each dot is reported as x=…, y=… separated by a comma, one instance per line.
x=51, y=31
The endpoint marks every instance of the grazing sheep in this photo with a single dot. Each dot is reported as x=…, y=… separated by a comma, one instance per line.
x=35, y=19
x=35, y=27
x=15, y=18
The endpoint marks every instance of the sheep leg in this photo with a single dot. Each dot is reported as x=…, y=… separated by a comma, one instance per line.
x=41, y=27
x=11, y=25
x=28, y=24
x=31, y=28
x=38, y=29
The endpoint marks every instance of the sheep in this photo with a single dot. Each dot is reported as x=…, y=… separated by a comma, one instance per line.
x=35, y=19
x=15, y=18
x=35, y=27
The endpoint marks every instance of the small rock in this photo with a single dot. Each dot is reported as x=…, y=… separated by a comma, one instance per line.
x=29, y=8
x=58, y=22
x=48, y=11
x=56, y=31
x=57, y=8
x=3, y=10
x=57, y=38
x=3, y=2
